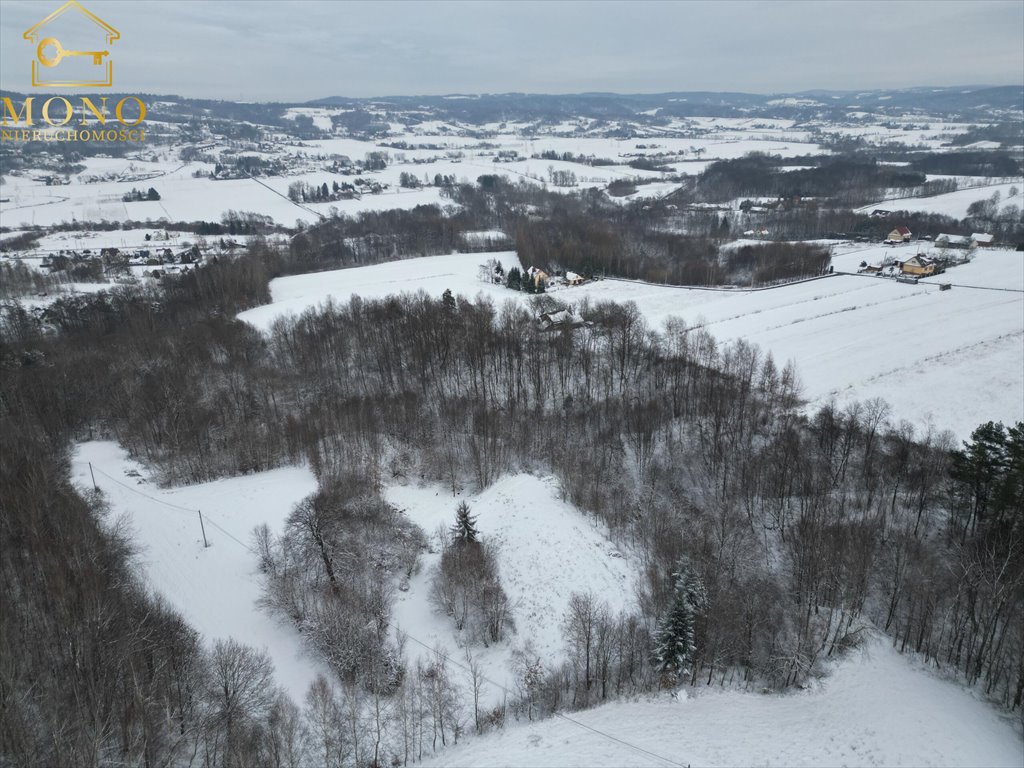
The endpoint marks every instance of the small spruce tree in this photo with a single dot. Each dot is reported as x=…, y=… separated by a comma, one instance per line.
x=464, y=531
x=675, y=642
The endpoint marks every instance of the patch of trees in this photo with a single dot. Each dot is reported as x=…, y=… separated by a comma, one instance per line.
x=359, y=123
x=17, y=280
x=24, y=241
x=768, y=263
x=845, y=179
x=466, y=586
x=569, y=157
x=968, y=163
x=372, y=237
x=621, y=187
x=241, y=166
x=1009, y=134
x=333, y=571
x=137, y=195
x=234, y=222
x=648, y=164
x=593, y=245
x=561, y=177
x=304, y=192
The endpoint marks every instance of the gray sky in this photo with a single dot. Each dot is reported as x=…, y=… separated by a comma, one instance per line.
x=294, y=51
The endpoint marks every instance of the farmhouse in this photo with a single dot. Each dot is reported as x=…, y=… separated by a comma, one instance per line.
x=899, y=235
x=539, y=276
x=918, y=265
x=982, y=239
x=571, y=278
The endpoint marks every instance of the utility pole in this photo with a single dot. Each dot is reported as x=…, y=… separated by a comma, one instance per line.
x=203, y=527
x=93, y=474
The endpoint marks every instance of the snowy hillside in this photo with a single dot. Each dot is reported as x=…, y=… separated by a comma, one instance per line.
x=853, y=337
x=546, y=549
x=214, y=588
x=876, y=709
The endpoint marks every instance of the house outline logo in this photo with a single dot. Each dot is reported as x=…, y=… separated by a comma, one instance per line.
x=44, y=43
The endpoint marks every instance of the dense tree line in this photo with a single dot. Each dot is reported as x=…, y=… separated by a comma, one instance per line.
x=849, y=180
x=968, y=163
x=18, y=279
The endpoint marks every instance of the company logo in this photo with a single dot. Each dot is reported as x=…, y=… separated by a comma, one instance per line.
x=71, y=49
x=85, y=65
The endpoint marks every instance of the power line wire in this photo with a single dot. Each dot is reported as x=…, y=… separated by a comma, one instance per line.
x=206, y=515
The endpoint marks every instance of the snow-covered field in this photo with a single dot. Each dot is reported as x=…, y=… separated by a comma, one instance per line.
x=954, y=204
x=876, y=709
x=953, y=359
x=183, y=198
x=214, y=588
x=546, y=550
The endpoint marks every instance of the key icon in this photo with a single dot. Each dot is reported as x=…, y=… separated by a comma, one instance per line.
x=53, y=61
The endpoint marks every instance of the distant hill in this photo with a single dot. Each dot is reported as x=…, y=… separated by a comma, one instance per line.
x=971, y=103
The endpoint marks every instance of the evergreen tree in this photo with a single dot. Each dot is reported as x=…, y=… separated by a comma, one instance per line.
x=464, y=531
x=527, y=283
x=448, y=302
x=988, y=476
x=514, y=279
x=675, y=642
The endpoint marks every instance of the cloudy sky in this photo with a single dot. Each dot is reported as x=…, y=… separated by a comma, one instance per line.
x=293, y=51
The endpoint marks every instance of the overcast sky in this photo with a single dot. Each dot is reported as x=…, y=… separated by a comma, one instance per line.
x=294, y=51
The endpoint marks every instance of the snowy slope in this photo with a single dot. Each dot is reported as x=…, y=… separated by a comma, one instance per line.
x=955, y=358
x=215, y=588
x=546, y=550
x=876, y=708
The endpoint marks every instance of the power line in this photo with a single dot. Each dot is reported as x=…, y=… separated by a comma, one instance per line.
x=206, y=515
x=140, y=493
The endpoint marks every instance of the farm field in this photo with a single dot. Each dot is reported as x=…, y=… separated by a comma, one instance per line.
x=852, y=337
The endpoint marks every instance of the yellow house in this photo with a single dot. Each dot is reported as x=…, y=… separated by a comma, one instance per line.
x=899, y=235
x=918, y=265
